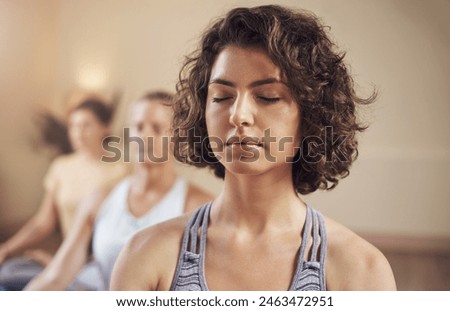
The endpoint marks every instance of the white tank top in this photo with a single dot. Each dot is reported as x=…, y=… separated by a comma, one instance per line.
x=115, y=225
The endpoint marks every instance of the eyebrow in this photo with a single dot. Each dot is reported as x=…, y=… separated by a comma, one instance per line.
x=221, y=81
x=253, y=84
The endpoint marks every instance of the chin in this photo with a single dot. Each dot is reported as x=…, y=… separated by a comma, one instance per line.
x=246, y=168
x=146, y=164
x=83, y=148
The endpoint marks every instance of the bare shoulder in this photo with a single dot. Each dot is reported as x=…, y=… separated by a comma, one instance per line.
x=196, y=197
x=353, y=263
x=149, y=260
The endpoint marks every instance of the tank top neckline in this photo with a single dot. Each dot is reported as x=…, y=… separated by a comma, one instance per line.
x=300, y=260
x=177, y=187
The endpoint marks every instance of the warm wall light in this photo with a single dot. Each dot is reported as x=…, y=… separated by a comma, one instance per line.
x=91, y=76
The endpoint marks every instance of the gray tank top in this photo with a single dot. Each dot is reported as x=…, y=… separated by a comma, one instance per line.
x=309, y=273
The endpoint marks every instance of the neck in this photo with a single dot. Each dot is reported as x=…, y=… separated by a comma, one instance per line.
x=154, y=178
x=259, y=202
x=94, y=154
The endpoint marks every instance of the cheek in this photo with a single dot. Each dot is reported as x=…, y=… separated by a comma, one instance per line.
x=293, y=132
x=93, y=135
x=296, y=136
x=216, y=120
x=98, y=131
x=294, y=126
x=292, y=121
x=284, y=133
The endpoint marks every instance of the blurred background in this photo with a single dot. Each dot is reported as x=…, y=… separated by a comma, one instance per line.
x=398, y=193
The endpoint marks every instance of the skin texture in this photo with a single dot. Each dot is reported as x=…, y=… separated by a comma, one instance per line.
x=257, y=219
x=86, y=133
x=244, y=105
x=149, y=184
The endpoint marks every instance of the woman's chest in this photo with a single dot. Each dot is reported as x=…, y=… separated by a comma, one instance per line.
x=251, y=266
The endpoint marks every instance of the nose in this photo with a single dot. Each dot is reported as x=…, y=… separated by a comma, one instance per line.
x=145, y=132
x=241, y=113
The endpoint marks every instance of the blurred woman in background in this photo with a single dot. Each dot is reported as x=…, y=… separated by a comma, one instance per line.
x=154, y=193
x=70, y=179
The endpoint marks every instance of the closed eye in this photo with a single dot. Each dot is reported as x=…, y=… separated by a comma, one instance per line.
x=269, y=99
x=220, y=99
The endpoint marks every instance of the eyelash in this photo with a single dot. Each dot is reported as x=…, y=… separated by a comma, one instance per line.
x=266, y=99
x=269, y=99
x=219, y=99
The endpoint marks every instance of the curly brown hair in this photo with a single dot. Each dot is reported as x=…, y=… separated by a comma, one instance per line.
x=298, y=43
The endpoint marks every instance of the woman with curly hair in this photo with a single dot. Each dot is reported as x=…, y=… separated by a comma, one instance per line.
x=269, y=105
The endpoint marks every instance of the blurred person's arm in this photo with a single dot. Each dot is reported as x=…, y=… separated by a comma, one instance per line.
x=39, y=227
x=149, y=260
x=74, y=252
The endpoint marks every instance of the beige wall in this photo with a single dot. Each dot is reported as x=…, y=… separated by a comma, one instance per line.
x=28, y=52
x=399, y=184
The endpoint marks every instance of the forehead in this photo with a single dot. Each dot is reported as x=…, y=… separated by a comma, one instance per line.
x=239, y=64
x=82, y=115
x=151, y=110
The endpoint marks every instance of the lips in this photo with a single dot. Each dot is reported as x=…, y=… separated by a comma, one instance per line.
x=244, y=141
